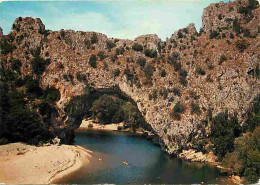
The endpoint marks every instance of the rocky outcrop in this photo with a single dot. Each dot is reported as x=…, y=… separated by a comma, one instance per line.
x=222, y=15
x=193, y=156
x=201, y=74
x=1, y=32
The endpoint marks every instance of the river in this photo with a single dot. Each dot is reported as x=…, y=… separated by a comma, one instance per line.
x=147, y=163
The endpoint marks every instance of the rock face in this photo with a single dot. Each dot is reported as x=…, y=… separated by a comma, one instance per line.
x=1, y=32
x=221, y=15
x=201, y=74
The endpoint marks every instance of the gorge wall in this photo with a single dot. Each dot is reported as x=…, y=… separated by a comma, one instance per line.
x=216, y=69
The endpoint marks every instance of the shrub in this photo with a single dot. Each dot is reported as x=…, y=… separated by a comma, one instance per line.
x=90, y=125
x=177, y=66
x=244, y=10
x=163, y=73
x=52, y=95
x=198, y=145
x=193, y=95
x=176, y=116
x=195, y=109
x=200, y=71
x=179, y=34
x=182, y=78
x=81, y=77
x=137, y=47
x=155, y=94
x=241, y=45
x=94, y=38
x=32, y=87
x=164, y=93
x=183, y=73
x=213, y=34
x=114, y=58
x=116, y=72
x=253, y=118
x=173, y=60
x=149, y=70
x=141, y=61
x=110, y=44
x=16, y=65
x=178, y=108
x=39, y=65
x=119, y=128
x=87, y=43
x=150, y=53
x=176, y=92
x=129, y=75
x=93, y=61
x=3, y=141
x=222, y=59
x=208, y=78
x=6, y=47
x=219, y=16
x=236, y=26
x=174, y=42
x=253, y=4
x=119, y=51
x=101, y=55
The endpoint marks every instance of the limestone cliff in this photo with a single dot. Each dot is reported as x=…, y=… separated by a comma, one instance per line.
x=201, y=71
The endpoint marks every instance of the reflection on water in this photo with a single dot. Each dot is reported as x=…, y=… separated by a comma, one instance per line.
x=147, y=163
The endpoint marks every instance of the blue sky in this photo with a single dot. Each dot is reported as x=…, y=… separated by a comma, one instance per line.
x=124, y=19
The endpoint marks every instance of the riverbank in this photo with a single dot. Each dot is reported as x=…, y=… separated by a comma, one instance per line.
x=119, y=127
x=90, y=124
x=210, y=159
x=26, y=164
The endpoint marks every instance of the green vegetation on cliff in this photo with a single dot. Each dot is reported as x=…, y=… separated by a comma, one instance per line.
x=224, y=129
x=238, y=152
x=19, y=120
x=244, y=160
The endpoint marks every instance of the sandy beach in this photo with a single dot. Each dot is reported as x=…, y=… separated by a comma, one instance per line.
x=97, y=126
x=25, y=164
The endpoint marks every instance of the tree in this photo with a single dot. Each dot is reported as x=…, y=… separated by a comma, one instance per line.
x=141, y=61
x=6, y=46
x=110, y=44
x=213, y=34
x=16, y=65
x=132, y=116
x=245, y=159
x=93, y=61
x=224, y=129
x=94, y=38
x=105, y=108
x=150, y=53
x=137, y=47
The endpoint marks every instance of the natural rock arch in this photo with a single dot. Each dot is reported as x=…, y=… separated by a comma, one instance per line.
x=190, y=62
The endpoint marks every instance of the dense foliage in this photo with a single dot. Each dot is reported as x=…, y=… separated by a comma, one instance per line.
x=137, y=47
x=111, y=109
x=93, y=61
x=245, y=159
x=19, y=122
x=224, y=129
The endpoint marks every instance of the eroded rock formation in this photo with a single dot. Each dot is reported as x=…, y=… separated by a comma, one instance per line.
x=201, y=71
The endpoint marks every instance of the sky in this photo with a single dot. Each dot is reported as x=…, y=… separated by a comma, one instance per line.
x=125, y=19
